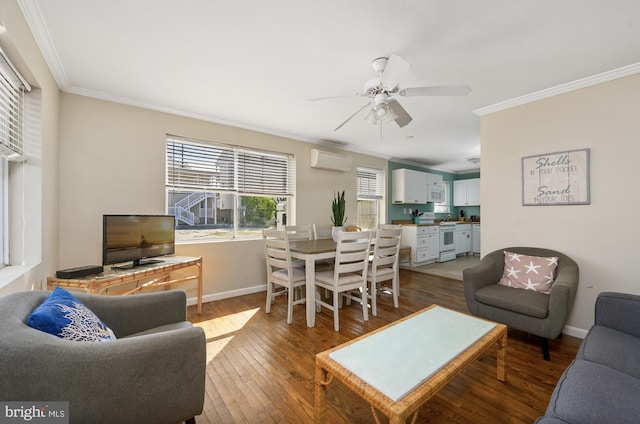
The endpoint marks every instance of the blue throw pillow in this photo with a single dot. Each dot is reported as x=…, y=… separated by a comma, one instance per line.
x=63, y=315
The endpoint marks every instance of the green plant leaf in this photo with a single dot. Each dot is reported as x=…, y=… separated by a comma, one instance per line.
x=338, y=209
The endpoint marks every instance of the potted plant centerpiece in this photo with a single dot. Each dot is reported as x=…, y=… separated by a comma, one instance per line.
x=337, y=217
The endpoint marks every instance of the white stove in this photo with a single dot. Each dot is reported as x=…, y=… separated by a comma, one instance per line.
x=447, y=242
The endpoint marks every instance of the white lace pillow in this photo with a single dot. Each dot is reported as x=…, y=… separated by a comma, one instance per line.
x=529, y=272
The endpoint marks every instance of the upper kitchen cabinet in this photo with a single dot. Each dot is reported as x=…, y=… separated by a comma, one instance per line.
x=409, y=186
x=466, y=192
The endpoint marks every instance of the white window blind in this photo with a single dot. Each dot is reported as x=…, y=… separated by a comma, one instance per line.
x=12, y=88
x=369, y=182
x=443, y=207
x=197, y=166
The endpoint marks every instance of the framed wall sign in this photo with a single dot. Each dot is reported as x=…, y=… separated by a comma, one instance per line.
x=559, y=178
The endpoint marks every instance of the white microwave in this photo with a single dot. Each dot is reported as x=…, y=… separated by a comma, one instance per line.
x=435, y=193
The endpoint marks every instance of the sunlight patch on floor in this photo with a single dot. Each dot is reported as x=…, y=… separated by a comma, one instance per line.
x=218, y=327
x=216, y=346
x=219, y=331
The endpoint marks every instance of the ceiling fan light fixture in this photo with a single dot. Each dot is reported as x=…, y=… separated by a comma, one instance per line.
x=381, y=112
x=371, y=117
x=391, y=115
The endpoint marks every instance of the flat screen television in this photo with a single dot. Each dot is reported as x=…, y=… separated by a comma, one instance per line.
x=134, y=238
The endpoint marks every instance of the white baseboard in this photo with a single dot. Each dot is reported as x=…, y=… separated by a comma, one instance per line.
x=575, y=332
x=227, y=294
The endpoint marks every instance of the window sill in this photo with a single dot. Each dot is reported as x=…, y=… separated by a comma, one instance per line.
x=229, y=240
x=12, y=273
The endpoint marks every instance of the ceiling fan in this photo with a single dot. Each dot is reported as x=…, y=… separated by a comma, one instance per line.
x=381, y=89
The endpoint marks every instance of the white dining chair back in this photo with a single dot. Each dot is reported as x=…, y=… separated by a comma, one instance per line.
x=385, y=265
x=322, y=231
x=282, y=276
x=391, y=226
x=299, y=232
x=349, y=275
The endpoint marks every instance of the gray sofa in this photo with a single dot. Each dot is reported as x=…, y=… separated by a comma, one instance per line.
x=153, y=373
x=602, y=385
x=535, y=313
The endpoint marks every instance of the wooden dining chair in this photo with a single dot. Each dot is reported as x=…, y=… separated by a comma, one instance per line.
x=349, y=275
x=385, y=265
x=282, y=276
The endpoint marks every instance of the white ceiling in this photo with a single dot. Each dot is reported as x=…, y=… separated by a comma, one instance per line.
x=255, y=63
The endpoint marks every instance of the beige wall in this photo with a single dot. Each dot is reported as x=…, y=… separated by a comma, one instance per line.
x=112, y=160
x=601, y=237
x=34, y=217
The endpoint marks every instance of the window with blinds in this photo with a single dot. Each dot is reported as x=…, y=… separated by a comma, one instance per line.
x=12, y=89
x=370, y=189
x=444, y=206
x=369, y=183
x=225, y=191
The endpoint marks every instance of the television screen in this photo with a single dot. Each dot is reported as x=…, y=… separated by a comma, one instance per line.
x=135, y=237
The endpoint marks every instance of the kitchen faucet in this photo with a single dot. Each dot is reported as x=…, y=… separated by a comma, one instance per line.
x=448, y=217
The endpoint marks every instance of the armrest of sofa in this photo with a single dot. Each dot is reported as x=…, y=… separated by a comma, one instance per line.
x=619, y=311
x=127, y=315
x=139, y=379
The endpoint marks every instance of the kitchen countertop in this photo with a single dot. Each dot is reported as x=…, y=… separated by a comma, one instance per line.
x=410, y=222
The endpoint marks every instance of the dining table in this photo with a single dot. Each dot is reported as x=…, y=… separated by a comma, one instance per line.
x=311, y=251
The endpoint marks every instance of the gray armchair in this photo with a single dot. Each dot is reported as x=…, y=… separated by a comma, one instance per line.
x=154, y=373
x=535, y=313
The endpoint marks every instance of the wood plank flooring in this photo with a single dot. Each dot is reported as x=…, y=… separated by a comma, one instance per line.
x=261, y=370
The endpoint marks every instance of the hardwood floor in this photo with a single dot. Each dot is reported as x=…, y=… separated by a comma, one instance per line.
x=261, y=370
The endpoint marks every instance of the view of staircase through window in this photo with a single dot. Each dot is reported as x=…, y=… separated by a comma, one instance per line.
x=219, y=191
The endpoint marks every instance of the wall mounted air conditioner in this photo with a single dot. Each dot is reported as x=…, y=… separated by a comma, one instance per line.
x=330, y=161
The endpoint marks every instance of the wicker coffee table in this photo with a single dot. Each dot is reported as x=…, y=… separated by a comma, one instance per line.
x=399, y=367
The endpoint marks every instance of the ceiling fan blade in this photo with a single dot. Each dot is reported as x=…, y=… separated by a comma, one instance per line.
x=351, y=117
x=442, y=90
x=395, y=69
x=403, y=117
x=335, y=97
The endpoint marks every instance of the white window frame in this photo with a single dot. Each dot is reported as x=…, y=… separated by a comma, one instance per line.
x=13, y=87
x=4, y=213
x=224, y=174
x=445, y=205
x=370, y=188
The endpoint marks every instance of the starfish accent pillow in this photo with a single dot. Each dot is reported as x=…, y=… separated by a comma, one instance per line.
x=63, y=315
x=529, y=272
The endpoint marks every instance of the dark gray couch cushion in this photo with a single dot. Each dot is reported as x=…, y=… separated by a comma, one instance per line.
x=516, y=300
x=576, y=399
x=162, y=329
x=612, y=348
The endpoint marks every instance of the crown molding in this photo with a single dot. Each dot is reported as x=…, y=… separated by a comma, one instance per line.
x=624, y=71
x=35, y=21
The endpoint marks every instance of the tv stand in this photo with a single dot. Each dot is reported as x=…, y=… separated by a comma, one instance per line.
x=135, y=279
x=137, y=263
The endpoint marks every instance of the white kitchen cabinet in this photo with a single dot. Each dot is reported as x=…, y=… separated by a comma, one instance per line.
x=466, y=192
x=424, y=241
x=475, y=238
x=462, y=236
x=409, y=186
